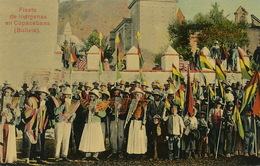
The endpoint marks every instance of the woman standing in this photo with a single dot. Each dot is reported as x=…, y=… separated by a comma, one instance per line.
x=92, y=139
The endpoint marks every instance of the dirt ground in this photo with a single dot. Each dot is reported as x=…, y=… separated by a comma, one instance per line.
x=135, y=159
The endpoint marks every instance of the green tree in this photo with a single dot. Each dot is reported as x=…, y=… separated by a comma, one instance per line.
x=94, y=39
x=210, y=27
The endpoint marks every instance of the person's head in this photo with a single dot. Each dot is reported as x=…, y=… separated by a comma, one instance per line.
x=218, y=103
x=137, y=83
x=55, y=86
x=93, y=95
x=105, y=95
x=103, y=86
x=174, y=110
x=8, y=92
x=87, y=86
x=170, y=94
x=202, y=114
x=138, y=93
x=157, y=95
x=66, y=96
x=52, y=91
x=148, y=92
x=25, y=87
x=144, y=84
x=95, y=84
x=230, y=105
x=41, y=93
x=248, y=112
x=117, y=91
x=62, y=87
x=156, y=119
x=239, y=85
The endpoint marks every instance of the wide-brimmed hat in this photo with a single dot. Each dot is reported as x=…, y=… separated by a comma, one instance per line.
x=103, y=84
x=42, y=89
x=94, y=92
x=148, y=90
x=106, y=92
x=75, y=84
x=25, y=85
x=6, y=82
x=138, y=90
x=87, y=84
x=219, y=101
x=137, y=81
x=157, y=92
x=8, y=86
x=144, y=83
x=67, y=91
x=229, y=89
x=122, y=82
x=157, y=116
x=62, y=85
x=170, y=91
x=118, y=88
x=95, y=82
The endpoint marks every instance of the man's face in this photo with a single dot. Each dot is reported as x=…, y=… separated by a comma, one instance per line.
x=104, y=97
x=137, y=95
x=174, y=110
x=147, y=95
x=103, y=87
x=117, y=93
x=137, y=84
x=86, y=87
x=91, y=97
x=8, y=92
x=42, y=96
x=75, y=87
x=239, y=87
x=156, y=97
x=170, y=97
x=95, y=85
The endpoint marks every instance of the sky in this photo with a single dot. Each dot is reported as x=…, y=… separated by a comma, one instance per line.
x=191, y=7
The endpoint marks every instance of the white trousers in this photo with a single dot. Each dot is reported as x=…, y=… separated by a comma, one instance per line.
x=62, y=137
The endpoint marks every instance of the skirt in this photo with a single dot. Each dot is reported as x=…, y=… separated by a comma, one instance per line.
x=137, y=139
x=92, y=139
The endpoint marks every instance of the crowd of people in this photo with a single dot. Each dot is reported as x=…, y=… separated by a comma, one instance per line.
x=133, y=118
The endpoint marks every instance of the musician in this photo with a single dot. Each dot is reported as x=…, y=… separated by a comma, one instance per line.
x=92, y=139
x=9, y=114
x=34, y=119
x=65, y=114
x=117, y=118
x=137, y=139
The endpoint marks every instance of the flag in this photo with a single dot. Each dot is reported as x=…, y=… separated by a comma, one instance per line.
x=189, y=97
x=171, y=83
x=176, y=75
x=167, y=104
x=211, y=92
x=222, y=92
x=118, y=65
x=101, y=54
x=141, y=60
x=179, y=96
x=73, y=55
x=220, y=74
x=195, y=86
x=256, y=106
x=204, y=62
x=250, y=90
x=237, y=119
x=246, y=72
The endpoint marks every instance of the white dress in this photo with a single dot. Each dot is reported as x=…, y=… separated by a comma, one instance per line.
x=92, y=139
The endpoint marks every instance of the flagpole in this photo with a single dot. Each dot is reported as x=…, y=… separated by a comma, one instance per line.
x=70, y=66
x=256, y=150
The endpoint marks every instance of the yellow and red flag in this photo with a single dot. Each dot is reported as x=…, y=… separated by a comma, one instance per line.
x=246, y=72
x=204, y=62
x=220, y=74
x=250, y=91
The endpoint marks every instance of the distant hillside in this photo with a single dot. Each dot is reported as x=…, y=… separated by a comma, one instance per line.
x=85, y=16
